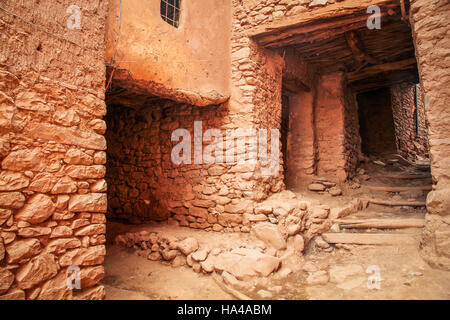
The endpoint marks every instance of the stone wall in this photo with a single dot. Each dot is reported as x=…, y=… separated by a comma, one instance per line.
x=52, y=191
x=145, y=184
x=336, y=128
x=430, y=25
x=411, y=141
x=301, y=156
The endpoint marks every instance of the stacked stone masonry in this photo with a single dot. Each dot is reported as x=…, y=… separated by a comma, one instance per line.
x=430, y=30
x=52, y=150
x=410, y=128
x=53, y=190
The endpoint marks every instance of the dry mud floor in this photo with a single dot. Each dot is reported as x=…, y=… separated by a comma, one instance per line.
x=404, y=275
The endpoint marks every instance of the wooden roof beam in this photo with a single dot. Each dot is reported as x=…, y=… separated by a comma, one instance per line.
x=381, y=68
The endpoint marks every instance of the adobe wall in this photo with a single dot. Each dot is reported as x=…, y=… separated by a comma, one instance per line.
x=301, y=145
x=299, y=80
x=411, y=143
x=144, y=183
x=430, y=27
x=337, y=129
x=189, y=64
x=52, y=191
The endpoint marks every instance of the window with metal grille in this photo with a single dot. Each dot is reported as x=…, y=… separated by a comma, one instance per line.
x=170, y=12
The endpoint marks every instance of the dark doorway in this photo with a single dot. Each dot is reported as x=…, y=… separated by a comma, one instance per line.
x=376, y=122
x=284, y=129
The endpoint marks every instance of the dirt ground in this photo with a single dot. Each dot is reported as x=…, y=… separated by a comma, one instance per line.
x=334, y=273
x=404, y=275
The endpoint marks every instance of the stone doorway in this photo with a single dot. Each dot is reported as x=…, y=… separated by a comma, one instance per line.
x=376, y=122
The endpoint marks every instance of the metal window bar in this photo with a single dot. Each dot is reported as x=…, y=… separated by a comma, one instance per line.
x=170, y=12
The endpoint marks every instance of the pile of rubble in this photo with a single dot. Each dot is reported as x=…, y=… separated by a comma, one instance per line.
x=243, y=263
x=322, y=185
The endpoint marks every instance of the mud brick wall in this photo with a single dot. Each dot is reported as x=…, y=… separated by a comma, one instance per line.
x=301, y=139
x=430, y=25
x=301, y=157
x=336, y=128
x=52, y=191
x=410, y=141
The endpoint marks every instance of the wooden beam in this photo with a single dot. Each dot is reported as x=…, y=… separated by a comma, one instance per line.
x=360, y=56
x=337, y=10
x=381, y=68
x=380, y=223
x=397, y=203
x=402, y=176
x=398, y=189
x=370, y=238
x=383, y=80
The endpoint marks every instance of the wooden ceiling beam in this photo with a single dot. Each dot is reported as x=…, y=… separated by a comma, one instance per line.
x=381, y=68
x=321, y=23
x=385, y=80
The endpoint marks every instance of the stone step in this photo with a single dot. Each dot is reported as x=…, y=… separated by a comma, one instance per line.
x=400, y=176
x=398, y=223
x=396, y=203
x=372, y=238
x=397, y=188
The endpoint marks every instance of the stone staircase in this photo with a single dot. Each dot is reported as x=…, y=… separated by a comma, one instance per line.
x=393, y=207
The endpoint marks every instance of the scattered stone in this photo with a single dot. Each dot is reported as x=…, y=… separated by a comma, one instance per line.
x=316, y=187
x=320, y=212
x=154, y=256
x=188, y=245
x=179, y=261
x=207, y=265
x=196, y=267
x=270, y=234
x=321, y=243
x=248, y=263
x=335, y=191
x=169, y=255
x=200, y=255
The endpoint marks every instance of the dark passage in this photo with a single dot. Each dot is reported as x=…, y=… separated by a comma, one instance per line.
x=376, y=122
